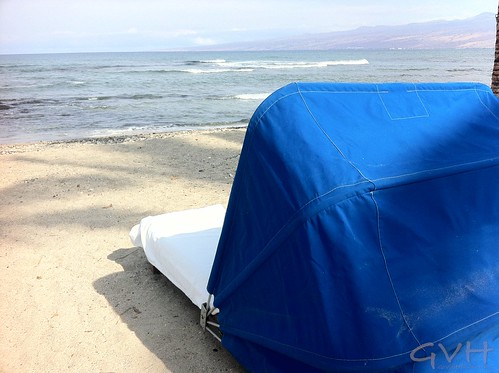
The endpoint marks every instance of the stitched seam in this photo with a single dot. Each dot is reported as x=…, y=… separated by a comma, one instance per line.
x=421, y=101
x=380, y=244
x=432, y=170
x=257, y=339
x=330, y=139
x=383, y=103
x=467, y=326
x=279, y=235
x=483, y=103
x=403, y=118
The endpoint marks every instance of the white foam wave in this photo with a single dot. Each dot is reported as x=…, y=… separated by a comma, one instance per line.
x=205, y=71
x=350, y=62
x=252, y=65
x=214, y=61
x=215, y=71
x=319, y=64
x=252, y=96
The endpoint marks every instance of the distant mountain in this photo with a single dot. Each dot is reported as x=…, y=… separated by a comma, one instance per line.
x=475, y=32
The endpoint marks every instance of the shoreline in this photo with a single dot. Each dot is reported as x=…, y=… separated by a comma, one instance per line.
x=17, y=147
x=78, y=295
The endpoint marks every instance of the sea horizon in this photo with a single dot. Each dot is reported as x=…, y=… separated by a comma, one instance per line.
x=198, y=50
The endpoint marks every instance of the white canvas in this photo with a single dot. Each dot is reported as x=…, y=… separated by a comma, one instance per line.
x=182, y=246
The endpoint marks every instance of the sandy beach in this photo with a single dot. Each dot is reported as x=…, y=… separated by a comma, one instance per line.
x=76, y=295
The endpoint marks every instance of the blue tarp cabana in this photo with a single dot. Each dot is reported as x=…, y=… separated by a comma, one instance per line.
x=362, y=231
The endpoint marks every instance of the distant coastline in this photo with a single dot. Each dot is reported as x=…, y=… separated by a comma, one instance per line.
x=475, y=32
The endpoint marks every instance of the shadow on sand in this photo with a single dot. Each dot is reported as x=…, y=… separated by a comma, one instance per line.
x=161, y=316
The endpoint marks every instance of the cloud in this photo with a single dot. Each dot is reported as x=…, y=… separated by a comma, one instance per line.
x=200, y=41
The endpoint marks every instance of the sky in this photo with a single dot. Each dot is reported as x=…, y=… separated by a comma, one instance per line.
x=57, y=26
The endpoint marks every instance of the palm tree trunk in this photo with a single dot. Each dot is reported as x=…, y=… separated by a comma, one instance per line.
x=495, y=72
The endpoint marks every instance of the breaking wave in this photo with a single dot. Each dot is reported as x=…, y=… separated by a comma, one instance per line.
x=224, y=66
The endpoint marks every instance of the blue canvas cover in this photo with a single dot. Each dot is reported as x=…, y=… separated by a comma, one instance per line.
x=362, y=231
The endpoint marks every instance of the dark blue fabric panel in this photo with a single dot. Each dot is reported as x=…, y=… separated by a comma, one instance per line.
x=361, y=232
x=440, y=242
x=293, y=306
x=266, y=197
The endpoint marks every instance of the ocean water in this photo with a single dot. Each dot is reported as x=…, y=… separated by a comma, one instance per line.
x=72, y=96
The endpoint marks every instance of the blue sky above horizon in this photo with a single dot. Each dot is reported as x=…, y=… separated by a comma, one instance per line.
x=52, y=26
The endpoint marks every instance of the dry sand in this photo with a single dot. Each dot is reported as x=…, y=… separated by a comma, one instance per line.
x=76, y=296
